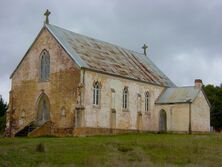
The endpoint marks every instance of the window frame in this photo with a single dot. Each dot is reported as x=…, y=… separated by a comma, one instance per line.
x=139, y=102
x=96, y=93
x=125, y=99
x=146, y=99
x=44, y=66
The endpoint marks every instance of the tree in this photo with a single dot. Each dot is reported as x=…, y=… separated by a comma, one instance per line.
x=3, y=109
x=214, y=95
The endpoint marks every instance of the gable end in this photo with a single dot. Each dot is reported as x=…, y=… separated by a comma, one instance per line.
x=27, y=52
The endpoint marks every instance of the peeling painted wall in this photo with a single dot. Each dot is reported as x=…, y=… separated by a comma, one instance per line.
x=61, y=88
x=100, y=116
x=178, y=115
x=200, y=114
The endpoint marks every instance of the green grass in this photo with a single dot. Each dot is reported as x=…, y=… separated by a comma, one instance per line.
x=146, y=150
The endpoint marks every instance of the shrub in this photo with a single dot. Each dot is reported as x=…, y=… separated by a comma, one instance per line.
x=40, y=147
x=123, y=148
x=2, y=123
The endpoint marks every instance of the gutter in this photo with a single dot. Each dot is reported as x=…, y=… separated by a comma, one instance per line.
x=172, y=103
x=120, y=76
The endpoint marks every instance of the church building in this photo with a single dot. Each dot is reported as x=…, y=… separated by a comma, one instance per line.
x=68, y=84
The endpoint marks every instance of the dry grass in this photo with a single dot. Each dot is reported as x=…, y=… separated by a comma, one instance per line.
x=142, y=150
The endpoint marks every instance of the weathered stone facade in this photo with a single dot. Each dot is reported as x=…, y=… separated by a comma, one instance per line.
x=69, y=96
x=200, y=114
x=61, y=88
x=100, y=116
x=179, y=116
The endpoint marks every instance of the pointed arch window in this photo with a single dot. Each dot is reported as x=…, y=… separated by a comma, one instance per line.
x=44, y=66
x=139, y=102
x=125, y=98
x=147, y=101
x=96, y=93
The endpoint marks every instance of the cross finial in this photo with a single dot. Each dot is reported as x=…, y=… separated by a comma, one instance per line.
x=47, y=13
x=144, y=49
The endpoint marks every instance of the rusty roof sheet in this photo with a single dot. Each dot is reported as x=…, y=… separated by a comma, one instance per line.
x=108, y=58
x=178, y=95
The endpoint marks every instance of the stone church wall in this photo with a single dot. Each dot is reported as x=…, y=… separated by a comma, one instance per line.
x=100, y=116
x=200, y=114
x=61, y=88
x=177, y=116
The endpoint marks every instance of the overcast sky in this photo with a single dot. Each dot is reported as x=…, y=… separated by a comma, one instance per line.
x=184, y=36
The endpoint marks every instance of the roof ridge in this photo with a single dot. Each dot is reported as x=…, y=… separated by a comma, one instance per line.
x=99, y=40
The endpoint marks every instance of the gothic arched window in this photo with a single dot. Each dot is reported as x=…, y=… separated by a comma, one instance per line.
x=125, y=98
x=146, y=101
x=96, y=93
x=45, y=66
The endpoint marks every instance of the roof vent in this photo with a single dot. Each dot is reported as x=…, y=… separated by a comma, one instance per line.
x=198, y=83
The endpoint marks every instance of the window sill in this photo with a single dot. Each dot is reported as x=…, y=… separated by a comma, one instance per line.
x=96, y=106
x=125, y=110
x=148, y=113
x=139, y=112
x=44, y=80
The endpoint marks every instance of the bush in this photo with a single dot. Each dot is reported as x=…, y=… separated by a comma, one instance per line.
x=2, y=124
x=40, y=148
x=123, y=148
x=3, y=109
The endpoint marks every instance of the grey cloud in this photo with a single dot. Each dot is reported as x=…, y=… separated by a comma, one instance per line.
x=184, y=37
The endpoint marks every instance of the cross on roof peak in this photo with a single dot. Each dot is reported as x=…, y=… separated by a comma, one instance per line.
x=47, y=13
x=144, y=49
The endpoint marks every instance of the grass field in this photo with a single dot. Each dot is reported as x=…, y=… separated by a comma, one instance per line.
x=146, y=150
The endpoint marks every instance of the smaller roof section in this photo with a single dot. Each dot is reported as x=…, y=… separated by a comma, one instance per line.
x=178, y=95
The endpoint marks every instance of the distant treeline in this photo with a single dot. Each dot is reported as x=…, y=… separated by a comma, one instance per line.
x=3, y=109
x=214, y=94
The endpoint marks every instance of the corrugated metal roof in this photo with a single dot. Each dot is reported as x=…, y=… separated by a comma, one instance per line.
x=178, y=95
x=108, y=58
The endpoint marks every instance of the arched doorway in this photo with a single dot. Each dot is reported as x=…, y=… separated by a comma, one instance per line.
x=163, y=121
x=43, y=109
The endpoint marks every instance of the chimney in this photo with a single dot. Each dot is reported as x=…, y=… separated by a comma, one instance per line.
x=198, y=83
